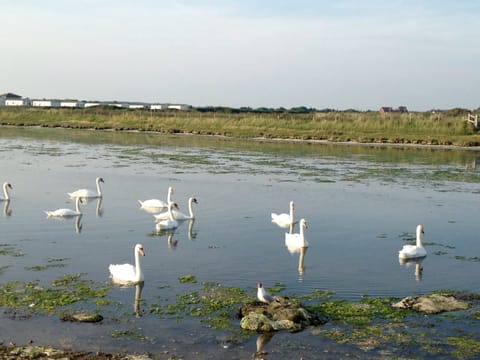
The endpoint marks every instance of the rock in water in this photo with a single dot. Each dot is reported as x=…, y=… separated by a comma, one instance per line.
x=431, y=304
x=82, y=317
x=282, y=315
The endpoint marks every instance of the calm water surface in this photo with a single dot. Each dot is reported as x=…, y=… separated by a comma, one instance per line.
x=362, y=204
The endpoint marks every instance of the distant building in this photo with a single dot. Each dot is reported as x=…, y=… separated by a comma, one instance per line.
x=136, y=106
x=42, y=103
x=11, y=99
x=69, y=104
x=179, y=107
x=157, y=107
x=88, y=104
x=388, y=109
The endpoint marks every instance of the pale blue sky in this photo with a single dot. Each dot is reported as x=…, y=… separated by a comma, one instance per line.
x=341, y=54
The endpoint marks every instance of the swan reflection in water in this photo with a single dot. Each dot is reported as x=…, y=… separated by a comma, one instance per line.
x=7, y=212
x=138, y=297
x=98, y=200
x=262, y=340
x=414, y=262
x=77, y=221
x=172, y=244
x=297, y=243
x=192, y=235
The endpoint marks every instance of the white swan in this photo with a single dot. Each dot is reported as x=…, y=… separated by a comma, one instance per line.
x=178, y=215
x=66, y=212
x=170, y=223
x=263, y=296
x=87, y=193
x=127, y=273
x=297, y=241
x=6, y=186
x=284, y=220
x=156, y=203
x=414, y=251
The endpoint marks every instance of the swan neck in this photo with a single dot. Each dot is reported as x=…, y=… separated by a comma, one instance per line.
x=77, y=204
x=419, y=238
x=5, y=191
x=99, y=190
x=169, y=195
x=302, y=235
x=138, y=267
x=190, y=207
x=170, y=211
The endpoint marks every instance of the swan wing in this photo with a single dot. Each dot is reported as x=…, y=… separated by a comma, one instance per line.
x=178, y=215
x=295, y=242
x=122, y=272
x=162, y=216
x=166, y=225
x=62, y=213
x=83, y=193
x=412, y=251
x=153, y=203
x=283, y=220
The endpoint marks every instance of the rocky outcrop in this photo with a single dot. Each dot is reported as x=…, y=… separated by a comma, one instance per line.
x=431, y=304
x=82, y=317
x=281, y=315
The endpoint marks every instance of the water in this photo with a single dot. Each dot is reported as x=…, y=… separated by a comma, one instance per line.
x=361, y=205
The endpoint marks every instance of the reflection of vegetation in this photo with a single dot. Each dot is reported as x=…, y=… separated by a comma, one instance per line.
x=465, y=258
x=298, y=160
x=52, y=263
x=9, y=250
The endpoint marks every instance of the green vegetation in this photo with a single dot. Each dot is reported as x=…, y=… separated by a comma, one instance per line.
x=187, y=279
x=370, y=324
x=214, y=303
x=446, y=128
x=32, y=297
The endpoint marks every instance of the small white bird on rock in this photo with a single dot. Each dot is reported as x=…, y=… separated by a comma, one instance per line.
x=263, y=296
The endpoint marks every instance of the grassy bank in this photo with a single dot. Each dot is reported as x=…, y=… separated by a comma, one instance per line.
x=447, y=128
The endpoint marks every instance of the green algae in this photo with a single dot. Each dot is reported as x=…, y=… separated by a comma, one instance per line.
x=128, y=334
x=33, y=297
x=213, y=303
x=187, y=279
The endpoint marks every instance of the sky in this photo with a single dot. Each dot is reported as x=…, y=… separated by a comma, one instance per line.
x=336, y=54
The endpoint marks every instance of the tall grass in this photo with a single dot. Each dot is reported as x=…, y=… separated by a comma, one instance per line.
x=449, y=128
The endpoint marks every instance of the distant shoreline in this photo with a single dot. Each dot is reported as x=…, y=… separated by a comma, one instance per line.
x=423, y=130
x=271, y=140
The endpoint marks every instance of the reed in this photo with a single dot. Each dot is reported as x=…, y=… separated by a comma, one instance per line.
x=448, y=128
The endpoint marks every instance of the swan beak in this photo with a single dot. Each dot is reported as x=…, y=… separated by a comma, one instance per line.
x=195, y=201
x=101, y=180
x=10, y=186
x=142, y=251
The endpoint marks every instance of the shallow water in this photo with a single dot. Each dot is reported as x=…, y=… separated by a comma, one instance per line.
x=361, y=203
